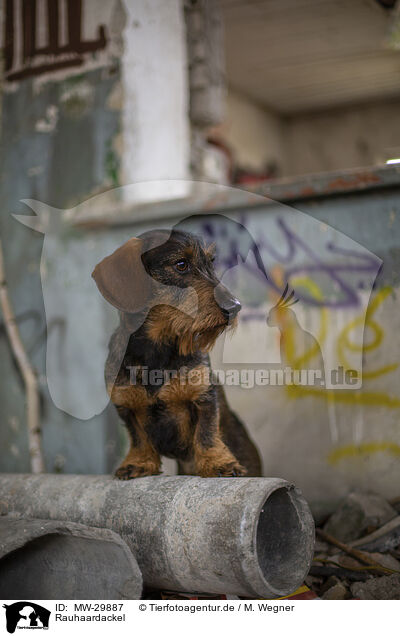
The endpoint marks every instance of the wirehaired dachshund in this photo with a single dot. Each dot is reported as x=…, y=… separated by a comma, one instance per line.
x=172, y=309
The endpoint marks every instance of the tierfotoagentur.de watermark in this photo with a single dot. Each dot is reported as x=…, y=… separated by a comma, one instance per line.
x=245, y=378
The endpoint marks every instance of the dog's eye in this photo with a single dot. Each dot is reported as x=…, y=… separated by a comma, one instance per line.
x=182, y=265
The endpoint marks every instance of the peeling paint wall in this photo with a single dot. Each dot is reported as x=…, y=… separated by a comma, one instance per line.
x=96, y=97
x=57, y=146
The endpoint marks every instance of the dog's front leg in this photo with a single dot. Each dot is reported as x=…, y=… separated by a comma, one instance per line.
x=212, y=457
x=142, y=459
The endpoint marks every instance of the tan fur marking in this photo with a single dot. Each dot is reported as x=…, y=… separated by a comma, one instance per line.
x=181, y=415
x=189, y=388
x=211, y=250
x=166, y=323
x=132, y=397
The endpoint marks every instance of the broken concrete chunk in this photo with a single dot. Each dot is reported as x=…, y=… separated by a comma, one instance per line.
x=330, y=582
x=313, y=581
x=378, y=588
x=358, y=514
x=338, y=592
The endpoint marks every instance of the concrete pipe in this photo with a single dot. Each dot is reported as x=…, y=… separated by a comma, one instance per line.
x=247, y=537
x=41, y=559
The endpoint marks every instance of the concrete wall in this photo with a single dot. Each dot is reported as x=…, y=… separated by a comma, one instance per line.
x=111, y=109
x=252, y=133
x=321, y=141
x=364, y=135
x=58, y=131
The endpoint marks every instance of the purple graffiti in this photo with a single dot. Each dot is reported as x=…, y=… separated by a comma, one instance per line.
x=292, y=246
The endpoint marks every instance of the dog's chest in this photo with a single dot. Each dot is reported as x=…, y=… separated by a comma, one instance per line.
x=165, y=406
x=171, y=416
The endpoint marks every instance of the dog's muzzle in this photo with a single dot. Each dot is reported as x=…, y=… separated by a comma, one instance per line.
x=231, y=310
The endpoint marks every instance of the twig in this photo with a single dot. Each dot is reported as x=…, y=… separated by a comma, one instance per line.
x=361, y=568
x=27, y=372
x=357, y=554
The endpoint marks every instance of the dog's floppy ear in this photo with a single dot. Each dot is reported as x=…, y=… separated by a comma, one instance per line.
x=122, y=278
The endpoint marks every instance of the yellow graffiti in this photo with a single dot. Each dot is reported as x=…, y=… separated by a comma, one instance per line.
x=344, y=342
x=361, y=450
x=367, y=398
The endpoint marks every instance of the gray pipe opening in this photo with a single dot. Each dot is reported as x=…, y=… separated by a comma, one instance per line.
x=282, y=539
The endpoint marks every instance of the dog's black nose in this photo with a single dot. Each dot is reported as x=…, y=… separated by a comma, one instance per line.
x=231, y=309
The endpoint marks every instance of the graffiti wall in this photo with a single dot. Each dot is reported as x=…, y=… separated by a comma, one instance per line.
x=329, y=439
x=339, y=262
x=312, y=367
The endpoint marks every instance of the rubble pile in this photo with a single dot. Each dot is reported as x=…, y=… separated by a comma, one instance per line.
x=357, y=551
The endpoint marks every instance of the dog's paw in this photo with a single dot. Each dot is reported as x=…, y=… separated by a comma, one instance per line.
x=131, y=471
x=231, y=469
x=235, y=470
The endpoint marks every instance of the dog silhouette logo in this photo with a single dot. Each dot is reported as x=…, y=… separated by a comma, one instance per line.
x=26, y=615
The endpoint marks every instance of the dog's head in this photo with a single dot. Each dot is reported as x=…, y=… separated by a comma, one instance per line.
x=152, y=274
